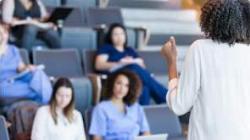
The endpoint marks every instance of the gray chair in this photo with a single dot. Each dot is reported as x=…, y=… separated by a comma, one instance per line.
x=80, y=38
x=156, y=65
x=151, y=4
x=162, y=120
x=52, y=3
x=103, y=16
x=81, y=3
x=76, y=18
x=88, y=59
x=154, y=61
x=83, y=93
x=25, y=56
x=87, y=121
x=63, y=62
x=4, y=135
x=181, y=39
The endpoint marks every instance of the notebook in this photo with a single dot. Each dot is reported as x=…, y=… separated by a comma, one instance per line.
x=153, y=137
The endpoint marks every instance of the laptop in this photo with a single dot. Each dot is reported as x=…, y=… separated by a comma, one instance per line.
x=153, y=137
x=60, y=13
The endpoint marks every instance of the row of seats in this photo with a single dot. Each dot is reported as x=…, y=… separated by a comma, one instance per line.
x=151, y=4
x=82, y=64
x=80, y=68
x=161, y=120
x=161, y=23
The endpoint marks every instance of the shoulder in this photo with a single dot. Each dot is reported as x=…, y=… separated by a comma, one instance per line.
x=135, y=106
x=13, y=48
x=103, y=105
x=107, y=47
x=203, y=42
x=43, y=110
x=76, y=113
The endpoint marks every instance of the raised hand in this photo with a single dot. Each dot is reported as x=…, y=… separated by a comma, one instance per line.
x=169, y=52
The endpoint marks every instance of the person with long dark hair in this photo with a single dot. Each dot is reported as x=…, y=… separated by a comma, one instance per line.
x=214, y=84
x=115, y=53
x=59, y=120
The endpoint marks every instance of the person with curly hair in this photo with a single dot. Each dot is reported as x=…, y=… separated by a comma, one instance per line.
x=214, y=84
x=119, y=116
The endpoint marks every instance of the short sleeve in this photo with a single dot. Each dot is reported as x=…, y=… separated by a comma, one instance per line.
x=98, y=124
x=143, y=122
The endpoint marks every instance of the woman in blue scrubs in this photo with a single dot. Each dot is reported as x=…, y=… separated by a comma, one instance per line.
x=34, y=85
x=119, y=116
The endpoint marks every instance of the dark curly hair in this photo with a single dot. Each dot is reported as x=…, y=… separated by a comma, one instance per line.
x=226, y=21
x=108, y=37
x=134, y=86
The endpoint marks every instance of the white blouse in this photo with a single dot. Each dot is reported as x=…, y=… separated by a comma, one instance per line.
x=215, y=86
x=44, y=127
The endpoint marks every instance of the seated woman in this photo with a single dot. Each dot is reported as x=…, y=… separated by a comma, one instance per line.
x=119, y=117
x=59, y=120
x=28, y=21
x=33, y=85
x=117, y=54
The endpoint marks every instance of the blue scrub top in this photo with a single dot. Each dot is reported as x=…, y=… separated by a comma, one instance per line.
x=111, y=124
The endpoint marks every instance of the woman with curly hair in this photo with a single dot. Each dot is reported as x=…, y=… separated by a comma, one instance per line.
x=214, y=83
x=119, y=117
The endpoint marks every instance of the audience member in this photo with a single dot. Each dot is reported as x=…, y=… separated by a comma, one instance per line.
x=59, y=120
x=117, y=55
x=28, y=21
x=119, y=116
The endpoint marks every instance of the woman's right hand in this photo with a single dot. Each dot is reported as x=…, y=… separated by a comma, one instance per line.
x=169, y=51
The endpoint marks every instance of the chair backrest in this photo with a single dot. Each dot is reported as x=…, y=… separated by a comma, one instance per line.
x=4, y=135
x=25, y=56
x=76, y=18
x=154, y=61
x=87, y=120
x=63, y=62
x=162, y=120
x=88, y=59
x=103, y=16
x=52, y=3
x=83, y=93
x=80, y=38
x=181, y=39
x=81, y=3
x=151, y=4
